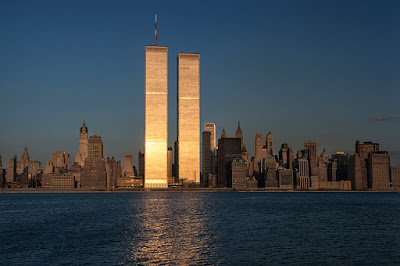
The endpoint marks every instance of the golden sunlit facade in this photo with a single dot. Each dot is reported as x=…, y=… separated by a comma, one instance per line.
x=189, y=117
x=156, y=117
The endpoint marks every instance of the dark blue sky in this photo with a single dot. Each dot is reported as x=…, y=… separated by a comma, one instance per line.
x=304, y=70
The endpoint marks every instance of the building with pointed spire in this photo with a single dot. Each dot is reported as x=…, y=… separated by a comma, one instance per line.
x=26, y=166
x=223, y=135
x=239, y=134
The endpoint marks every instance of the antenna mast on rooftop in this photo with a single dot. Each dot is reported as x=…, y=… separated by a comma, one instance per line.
x=155, y=31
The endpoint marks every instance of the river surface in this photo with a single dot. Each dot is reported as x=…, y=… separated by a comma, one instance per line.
x=237, y=228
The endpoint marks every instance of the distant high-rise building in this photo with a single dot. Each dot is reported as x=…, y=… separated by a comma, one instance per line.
x=189, y=117
x=290, y=158
x=239, y=174
x=228, y=150
x=94, y=173
x=128, y=165
x=379, y=170
x=81, y=156
x=169, y=166
x=342, y=160
x=26, y=166
x=332, y=171
x=269, y=144
x=207, y=157
x=210, y=127
x=1, y=163
x=113, y=169
x=303, y=180
x=311, y=147
x=156, y=117
x=259, y=154
x=283, y=155
x=141, y=164
x=285, y=178
x=12, y=170
x=364, y=149
x=357, y=170
x=61, y=160
x=49, y=168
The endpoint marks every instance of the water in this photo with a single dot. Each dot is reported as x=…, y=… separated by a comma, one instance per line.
x=200, y=228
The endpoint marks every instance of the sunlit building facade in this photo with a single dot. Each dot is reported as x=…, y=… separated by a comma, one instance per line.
x=156, y=118
x=210, y=127
x=189, y=117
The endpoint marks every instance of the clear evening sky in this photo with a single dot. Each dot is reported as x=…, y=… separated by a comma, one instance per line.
x=304, y=70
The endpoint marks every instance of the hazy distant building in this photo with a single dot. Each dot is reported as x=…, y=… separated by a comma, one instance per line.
x=332, y=171
x=210, y=127
x=228, y=150
x=357, y=172
x=303, y=179
x=141, y=164
x=342, y=161
x=60, y=160
x=358, y=165
x=311, y=147
x=245, y=155
x=285, y=177
x=290, y=158
x=395, y=178
x=156, y=117
x=259, y=154
x=379, y=170
x=269, y=144
x=189, y=117
x=94, y=173
x=171, y=178
x=113, y=170
x=207, y=157
x=11, y=173
x=26, y=166
x=322, y=169
x=128, y=168
x=81, y=156
x=239, y=174
x=76, y=171
x=283, y=155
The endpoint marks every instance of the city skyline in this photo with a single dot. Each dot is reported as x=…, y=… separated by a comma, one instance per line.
x=39, y=89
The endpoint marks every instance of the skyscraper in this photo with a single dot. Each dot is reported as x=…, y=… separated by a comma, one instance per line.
x=259, y=154
x=189, y=117
x=83, y=146
x=210, y=127
x=311, y=146
x=128, y=165
x=141, y=163
x=94, y=173
x=207, y=157
x=60, y=159
x=269, y=144
x=228, y=150
x=156, y=118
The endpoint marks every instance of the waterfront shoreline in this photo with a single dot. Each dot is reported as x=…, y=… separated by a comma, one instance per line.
x=50, y=190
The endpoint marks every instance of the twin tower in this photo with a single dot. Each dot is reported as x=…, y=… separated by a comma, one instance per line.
x=187, y=164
